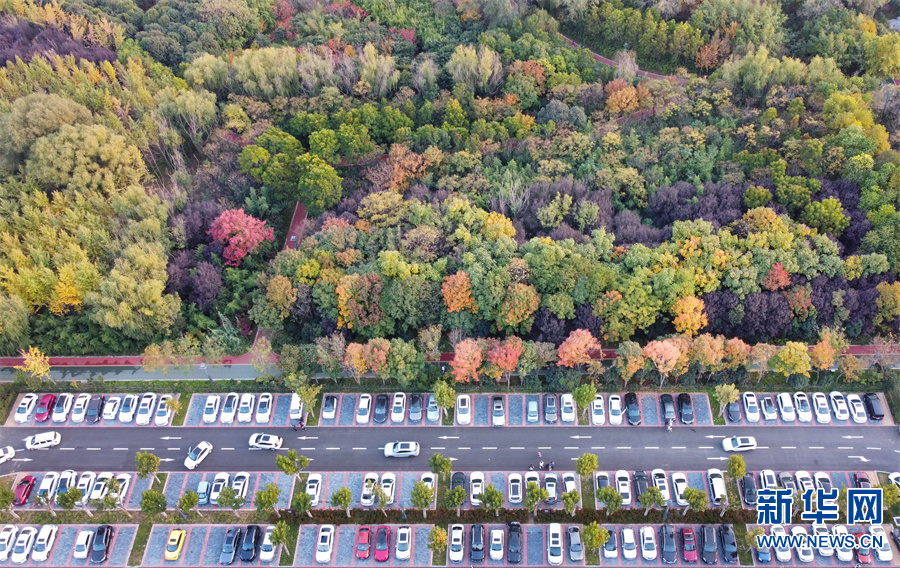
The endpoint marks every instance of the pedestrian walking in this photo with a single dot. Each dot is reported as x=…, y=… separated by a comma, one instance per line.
x=294, y=426
x=531, y=467
x=302, y=425
x=540, y=455
x=551, y=465
x=542, y=464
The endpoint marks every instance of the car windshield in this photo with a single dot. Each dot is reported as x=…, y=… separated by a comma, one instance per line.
x=210, y=408
x=382, y=541
x=263, y=405
x=194, y=453
x=173, y=544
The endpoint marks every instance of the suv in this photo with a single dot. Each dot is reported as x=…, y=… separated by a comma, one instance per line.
x=576, y=547
x=668, y=407
x=551, y=414
x=641, y=483
x=250, y=544
x=532, y=414
x=230, y=545
x=476, y=544
x=729, y=544
x=873, y=406
x=685, y=408
x=709, y=548
x=748, y=489
x=457, y=537
x=514, y=544
x=716, y=485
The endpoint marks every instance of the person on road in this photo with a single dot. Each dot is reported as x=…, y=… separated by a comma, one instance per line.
x=531, y=467
x=551, y=465
x=540, y=455
x=542, y=464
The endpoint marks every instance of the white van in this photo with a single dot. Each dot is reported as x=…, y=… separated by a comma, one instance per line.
x=43, y=441
x=716, y=486
x=296, y=412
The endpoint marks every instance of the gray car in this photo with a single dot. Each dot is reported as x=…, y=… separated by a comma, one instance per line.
x=551, y=412
x=415, y=408
x=576, y=548
x=203, y=493
x=532, y=413
x=230, y=545
x=432, y=412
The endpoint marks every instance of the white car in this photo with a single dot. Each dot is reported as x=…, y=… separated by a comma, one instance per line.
x=804, y=482
x=615, y=409
x=532, y=477
x=24, y=544
x=67, y=480
x=751, y=406
x=786, y=406
x=496, y=544
x=7, y=541
x=329, y=406
x=844, y=554
x=648, y=543
x=220, y=481
x=884, y=554
x=623, y=486
x=476, y=484
x=739, y=444
x=598, y=411
x=554, y=544
x=679, y=484
x=551, y=484
x=101, y=485
x=145, y=409
x=79, y=409
x=111, y=408
x=264, y=408
x=26, y=408
x=211, y=409
x=767, y=479
x=857, y=410
x=163, y=412
x=44, y=543
x=804, y=551
x=325, y=544
x=42, y=441
x=567, y=408
x=62, y=407
x=245, y=408
x=804, y=410
x=267, y=549
x=429, y=480
x=820, y=408
x=629, y=544
x=769, y=411
x=498, y=416
x=821, y=530
x=823, y=481
x=197, y=454
x=463, y=410
x=295, y=412
x=403, y=548
x=894, y=478
x=782, y=553
x=367, y=498
x=569, y=482
x=456, y=542
x=240, y=484
x=7, y=454
x=364, y=409
x=314, y=488
x=128, y=408
x=839, y=406
x=398, y=408
x=266, y=441
x=83, y=544
x=515, y=491
x=47, y=488
x=124, y=480
x=85, y=484
x=229, y=408
x=661, y=481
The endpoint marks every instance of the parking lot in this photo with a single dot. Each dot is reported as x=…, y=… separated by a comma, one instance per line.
x=281, y=407
x=178, y=483
x=344, y=547
x=202, y=546
x=11, y=421
x=135, y=490
x=64, y=547
x=741, y=419
x=534, y=546
x=819, y=560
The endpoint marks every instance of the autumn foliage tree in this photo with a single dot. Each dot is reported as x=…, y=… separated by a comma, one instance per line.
x=240, y=233
x=375, y=355
x=689, y=315
x=503, y=357
x=457, y=292
x=664, y=355
x=576, y=350
x=355, y=360
x=467, y=359
x=518, y=307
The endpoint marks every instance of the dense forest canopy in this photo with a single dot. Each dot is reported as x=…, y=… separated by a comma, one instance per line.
x=468, y=173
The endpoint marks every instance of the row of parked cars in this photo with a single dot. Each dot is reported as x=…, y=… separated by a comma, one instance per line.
x=640, y=481
x=803, y=408
x=91, y=408
x=17, y=544
x=245, y=408
x=664, y=542
x=368, y=539
x=244, y=543
x=376, y=409
x=555, y=483
x=864, y=554
x=493, y=542
x=93, y=486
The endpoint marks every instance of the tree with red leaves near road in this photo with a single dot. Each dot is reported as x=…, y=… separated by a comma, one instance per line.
x=466, y=360
x=503, y=357
x=241, y=234
x=576, y=350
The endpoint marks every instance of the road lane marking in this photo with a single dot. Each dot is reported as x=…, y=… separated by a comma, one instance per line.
x=437, y=448
x=147, y=449
x=64, y=449
x=307, y=449
x=489, y=447
x=705, y=447
x=517, y=447
x=332, y=448
x=651, y=447
x=545, y=447
x=788, y=447
x=174, y=449
x=570, y=447
x=464, y=448
x=359, y=448
x=598, y=447
x=227, y=449
x=679, y=447
x=817, y=447
x=879, y=449
x=845, y=447
x=623, y=447
x=120, y=449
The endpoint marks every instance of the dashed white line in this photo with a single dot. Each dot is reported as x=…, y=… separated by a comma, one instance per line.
x=464, y=448
x=147, y=449
x=704, y=447
x=623, y=447
x=570, y=447
x=788, y=447
x=873, y=449
x=359, y=448
x=120, y=449
x=679, y=447
x=307, y=449
x=174, y=449
x=517, y=447
x=489, y=447
x=67, y=449
x=332, y=448
x=438, y=448
x=817, y=447
x=651, y=447
x=228, y=449
x=845, y=447
x=545, y=447
x=598, y=447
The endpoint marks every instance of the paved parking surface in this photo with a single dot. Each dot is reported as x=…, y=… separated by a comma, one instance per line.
x=742, y=418
x=345, y=414
x=353, y=481
x=178, y=483
x=202, y=546
x=819, y=560
x=135, y=490
x=534, y=546
x=280, y=412
x=11, y=420
x=344, y=547
x=64, y=547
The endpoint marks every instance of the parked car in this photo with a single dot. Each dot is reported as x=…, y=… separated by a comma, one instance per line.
x=782, y=553
x=229, y=408
x=551, y=414
x=857, y=410
x=79, y=409
x=174, y=544
x=250, y=544
x=211, y=409
x=62, y=407
x=415, y=408
x=325, y=544
x=873, y=406
x=245, y=408
x=820, y=408
x=403, y=548
x=749, y=490
x=24, y=544
x=496, y=544
x=679, y=484
x=861, y=480
x=688, y=545
x=110, y=409
x=554, y=544
x=574, y=544
x=297, y=408
x=498, y=416
x=532, y=412
x=264, y=410
x=8, y=540
x=398, y=408
x=83, y=544
x=43, y=544
x=25, y=408
x=551, y=484
x=648, y=543
x=709, y=546
x=383, y=544
x=729, y=544
x=267, y=548
x=514, y=543
x=611, y=548
x=667, y=406
x=733, y=411
x=203, y=493
x=615, y=409
x=234, y=536
x=660, y=481
x=145, y=409
x=329, y=407
x=685, y=408
x=786, y=407
x=632, y=409
x=641, y=483
x=456, y=544
x=94, y=409
x=515, y=490
x=667, y=548
x=804, y=410
x=476, y=488
x=804, y=551
x=364, y=409
x=128, y=408
x=45, y=408
x=843, y=553
x=751, y=406
x=370, y=481
x=839, y=406
x=432, y=412
x=463, y=410
x=314, y=488
x=598, y=410
x=882, y=553
x=629, y=544
x=389, y=486
x=623, y=487
x=767, y=405
x=219, y=482
x=567, y=408
x=363, y=543
x=163, y=412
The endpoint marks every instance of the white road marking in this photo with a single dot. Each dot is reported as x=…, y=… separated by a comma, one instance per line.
x=437, y=448
x=651, y=447
x=545, y=447
x=517, y=447
x=332, y=448
x=227, y=449
x=147, y=449
x=623, y=447
x=174, y=449
x=679, y=447
x=120, y=449
x=464, y=448
x=359, y=448
x=598, y=447
x=845, y=447
x=704, y=447
x=817, y=447
x=570, y=447
x=64, y=449
x=307, y=449
x=788, y=447
x=489, y=447
x=879, y=449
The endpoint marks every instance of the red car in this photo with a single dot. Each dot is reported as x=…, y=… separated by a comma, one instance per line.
x=363, y=543
x=23, y=489
x=863, y=555
x=688, y=545
x=45, y=408
x=383, y=544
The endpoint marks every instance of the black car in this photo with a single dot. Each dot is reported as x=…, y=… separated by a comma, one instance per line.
x=667, y=402
x=632, y=409
x=602, y=481
x=873, y=406
x=641, y=483
x=748, y=488
x=458, y=480
x=102, y=538
x=733, y=411
x=95, y=409
x=514, y=544
x=250, y=544
x=686, y=408
x=611, y=545
x=415, y=407
x=551, y=413
x=729, y=544
x=476, y=544
x=709, y=546
x=230, y=545
x=667, y=548
x=895, y=534
x=381, y=408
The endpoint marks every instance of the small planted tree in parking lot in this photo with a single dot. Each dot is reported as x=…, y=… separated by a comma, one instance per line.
x=736, y=468
x=652, y=497
x=584, y=396
x=423, y=497
x=228, y=498
x=586, y=464
x=570, y=502
x=291, y=463
x=300, y=503
x=437, y=541
x=70, y=498
x=594, y=536
x=697, y=499
x=725, y=395
x=455, y=498
x=342, y=498
x=147, y=465
x=7, y=496
x=611, y=498
x=444, y=396
x=534, y=496
x=440, y=465
x=153, y=503
x=266, y=499
x=381, y=499
x=188, y=502
x=492, y=499
x=281, y=535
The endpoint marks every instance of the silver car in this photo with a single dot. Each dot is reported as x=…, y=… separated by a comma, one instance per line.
x=432, y=412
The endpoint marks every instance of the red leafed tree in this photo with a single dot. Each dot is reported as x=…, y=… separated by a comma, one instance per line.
x=241, y=234
x=777, y=278
x=664, y=354
x=503, y=357
x=457, y=291
x=466, y=360
x=576, y=349
x=375, y=355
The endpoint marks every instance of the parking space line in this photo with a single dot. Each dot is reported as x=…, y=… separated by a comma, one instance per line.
x=187, y=539
x=256, y=488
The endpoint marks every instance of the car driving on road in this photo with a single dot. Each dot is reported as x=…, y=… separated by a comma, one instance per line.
x=401, y=450
x=197, y=454
x=262, y=441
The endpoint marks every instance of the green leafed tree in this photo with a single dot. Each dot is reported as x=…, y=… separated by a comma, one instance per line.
x=736, y=467
x=423, y=497
x=697, y=500
x=266, y=501
x=228, y=498
x=455, y=498
x=147, y=465
x=611, y=499
x=291, y=463
x=153, y=503
x=301, y=503
x=586, y=464
x=440, y=464
x=534, y=496
x=492, y=499
x=7, y=496
x=188, y=503
x=281, y=535
x=593, y=536
x=343, y=499
x=584, y=396
x=437, y=541
x=570, y=502
x=653, y=497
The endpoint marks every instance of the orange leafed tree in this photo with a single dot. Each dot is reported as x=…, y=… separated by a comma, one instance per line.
x=457, y=292
x=355, y=360
x=375, y=354
x=503, y=357
x=689, y=315
x=737, y=353
x=576, y=350
x=467, y=359
x=664, y=354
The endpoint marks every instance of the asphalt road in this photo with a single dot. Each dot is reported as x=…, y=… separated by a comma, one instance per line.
x=473, y=448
